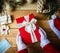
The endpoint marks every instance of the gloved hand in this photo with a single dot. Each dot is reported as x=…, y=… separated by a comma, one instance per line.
x=44, y=40
x=22, y=48
x=54, y=24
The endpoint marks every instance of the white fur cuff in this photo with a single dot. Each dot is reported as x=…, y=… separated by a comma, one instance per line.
x=54, y=29
x=44, y=42
x=21, y=47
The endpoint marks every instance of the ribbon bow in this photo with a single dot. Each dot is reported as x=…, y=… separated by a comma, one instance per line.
x=29, y=27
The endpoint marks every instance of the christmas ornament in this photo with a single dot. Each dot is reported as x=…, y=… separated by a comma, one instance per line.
x=4, y=46
x=55, y=25
x=47, y=6
x=5, y=19
x=28, y=29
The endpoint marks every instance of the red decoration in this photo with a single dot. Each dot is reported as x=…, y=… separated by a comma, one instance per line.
x=28, y=37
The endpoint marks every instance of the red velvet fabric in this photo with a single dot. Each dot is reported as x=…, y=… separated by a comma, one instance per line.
x=23, y=51
x=50, y=49
x=57, y=23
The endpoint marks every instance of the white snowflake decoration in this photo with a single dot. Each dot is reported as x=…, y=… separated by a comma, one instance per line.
x=5, y=19
x=4, y=29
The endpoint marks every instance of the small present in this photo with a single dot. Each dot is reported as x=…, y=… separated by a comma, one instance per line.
x=28, y=29
x=4, y=46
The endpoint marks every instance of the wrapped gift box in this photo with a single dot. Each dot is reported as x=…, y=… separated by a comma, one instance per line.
x=28, y=29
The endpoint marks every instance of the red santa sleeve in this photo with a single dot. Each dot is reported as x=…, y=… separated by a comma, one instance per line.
x=23, y=51
x=45, y=43
x=50, y=49
x=54, y=24
x=22, y=48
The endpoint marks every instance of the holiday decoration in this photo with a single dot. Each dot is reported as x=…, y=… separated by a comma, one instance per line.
x=55, y=25
x=4, y=29
x=42, y=7
x=4, y=46
x=5, y=19
x=22, y=47
x=47, y=6
x=28, y=29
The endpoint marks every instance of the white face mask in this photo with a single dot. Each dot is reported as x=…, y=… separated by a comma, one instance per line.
x=4, y=46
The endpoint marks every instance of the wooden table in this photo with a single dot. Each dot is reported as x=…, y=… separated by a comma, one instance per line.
x=42, y=22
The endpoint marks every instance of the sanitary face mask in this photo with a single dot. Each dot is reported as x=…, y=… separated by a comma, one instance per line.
x=4, y=46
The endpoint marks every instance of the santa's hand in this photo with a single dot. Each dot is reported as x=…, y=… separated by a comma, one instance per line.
x=19, y=42
x=44, y=40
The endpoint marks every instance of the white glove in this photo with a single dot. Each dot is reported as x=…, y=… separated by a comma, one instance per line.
x=44, y=40
x=19, y=42
x=53, y=16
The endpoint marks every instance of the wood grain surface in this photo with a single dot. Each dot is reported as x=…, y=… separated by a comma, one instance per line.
x=42, y=21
